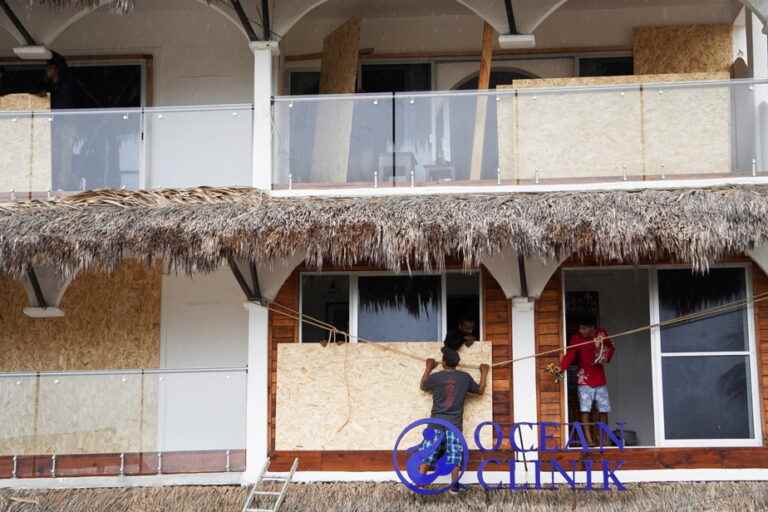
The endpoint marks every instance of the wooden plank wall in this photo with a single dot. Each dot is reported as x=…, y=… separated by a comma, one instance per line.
x=282, y=329
x=497, y=319
x=549, y=316
x=760, y=285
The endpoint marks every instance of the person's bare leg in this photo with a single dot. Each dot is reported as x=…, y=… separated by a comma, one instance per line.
x=602, y=417
x=587, y=428
x=455, y=476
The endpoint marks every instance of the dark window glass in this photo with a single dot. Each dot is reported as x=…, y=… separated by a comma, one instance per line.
x=304, y=82
x=606, y=66
x=325, y=298
x=396, y=77
x=706, y=397
x=463, y=299
x=394, y=308
x=682, y=292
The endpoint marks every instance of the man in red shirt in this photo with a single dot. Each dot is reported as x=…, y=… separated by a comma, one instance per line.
x=591, y=349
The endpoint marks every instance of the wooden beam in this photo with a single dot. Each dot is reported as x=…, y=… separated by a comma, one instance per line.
x=32, y=276
x=511, y=17
x=370, y=54
x=247, y=291
x=523, y=277
x=244, y=21
x=17, y=23
x=481, y=114
x=267, y=26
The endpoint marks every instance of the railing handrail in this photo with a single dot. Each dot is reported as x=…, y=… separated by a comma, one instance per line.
x=132, y=110
x=135, y=371
x=425, y=94
x=531, y=90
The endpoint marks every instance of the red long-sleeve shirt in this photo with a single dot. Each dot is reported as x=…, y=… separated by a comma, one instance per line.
x=590, y=373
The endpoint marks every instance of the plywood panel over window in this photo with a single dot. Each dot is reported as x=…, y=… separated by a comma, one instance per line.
x=110, y=321
x=682, y=49
x=496, y=329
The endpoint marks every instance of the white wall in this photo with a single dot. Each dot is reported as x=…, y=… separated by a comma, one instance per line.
x=200, y=57
x=203, y=325
x=623, y=296
x=579, y=23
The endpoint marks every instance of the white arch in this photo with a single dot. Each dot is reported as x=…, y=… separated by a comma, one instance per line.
x=13, y=33
x=54, y=34
x=548, y=11
x=288, y=12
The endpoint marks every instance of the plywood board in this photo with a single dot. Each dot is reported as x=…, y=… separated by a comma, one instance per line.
x=384, y=396
x=110, y=321
x=581, y=134
x=25, y=143
x=333, y=122
x=78, y=414
x=339, y=62
x=682, y=49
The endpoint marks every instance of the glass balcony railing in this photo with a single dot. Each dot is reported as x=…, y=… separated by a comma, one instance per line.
x=76, y=150
x=76, y=414
x=522, y=136
x=506, y=136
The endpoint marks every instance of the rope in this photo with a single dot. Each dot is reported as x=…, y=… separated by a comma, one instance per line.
x=334, y=331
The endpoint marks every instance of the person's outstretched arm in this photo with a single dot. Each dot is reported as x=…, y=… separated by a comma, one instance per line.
x=484, y=369
x=430, y=365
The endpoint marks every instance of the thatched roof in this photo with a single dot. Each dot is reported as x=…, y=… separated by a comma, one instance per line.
x=194, y=230
x=119, y=5
x=391, y=497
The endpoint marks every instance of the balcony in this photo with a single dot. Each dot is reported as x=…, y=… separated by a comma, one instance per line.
x=128, y=422
x=524, y=136
x=69, y=151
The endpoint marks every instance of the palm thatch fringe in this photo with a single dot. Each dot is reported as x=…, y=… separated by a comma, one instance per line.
x=369, y=497
x=117, y=5
x=194, y=230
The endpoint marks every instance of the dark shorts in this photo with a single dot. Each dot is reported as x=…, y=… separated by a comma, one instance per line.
x=450, y=446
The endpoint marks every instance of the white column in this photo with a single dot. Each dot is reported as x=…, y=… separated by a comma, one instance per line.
x=257, y=419
x=263, y=83
x=524, y=372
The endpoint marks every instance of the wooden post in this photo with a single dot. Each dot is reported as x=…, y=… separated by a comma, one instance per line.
x=481, y=114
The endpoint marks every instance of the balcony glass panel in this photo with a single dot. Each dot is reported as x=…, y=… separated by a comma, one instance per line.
x=525, y=136
x=323, y=141
x=193, y=147
x=122, y=412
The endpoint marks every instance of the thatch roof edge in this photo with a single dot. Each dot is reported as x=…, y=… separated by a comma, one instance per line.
x=194, y=230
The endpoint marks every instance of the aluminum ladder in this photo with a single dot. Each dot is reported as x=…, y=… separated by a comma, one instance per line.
x=254, y=492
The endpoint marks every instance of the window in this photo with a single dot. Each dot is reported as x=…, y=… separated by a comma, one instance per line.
x=377, y=306
x=705, y=363
x=324, y=298
x=684, y=384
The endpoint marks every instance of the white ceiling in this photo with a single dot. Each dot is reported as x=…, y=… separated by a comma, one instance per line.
x=388, y=8
x=416, y=8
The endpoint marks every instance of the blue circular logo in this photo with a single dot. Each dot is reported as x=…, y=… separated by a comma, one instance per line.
x=441, y=450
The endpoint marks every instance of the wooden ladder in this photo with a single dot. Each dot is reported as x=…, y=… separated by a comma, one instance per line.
x=255, y=492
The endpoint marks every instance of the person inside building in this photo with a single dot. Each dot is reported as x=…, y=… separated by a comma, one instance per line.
x=449, y=389
x=64, y=88
x=590, y=348
x=462, y=335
